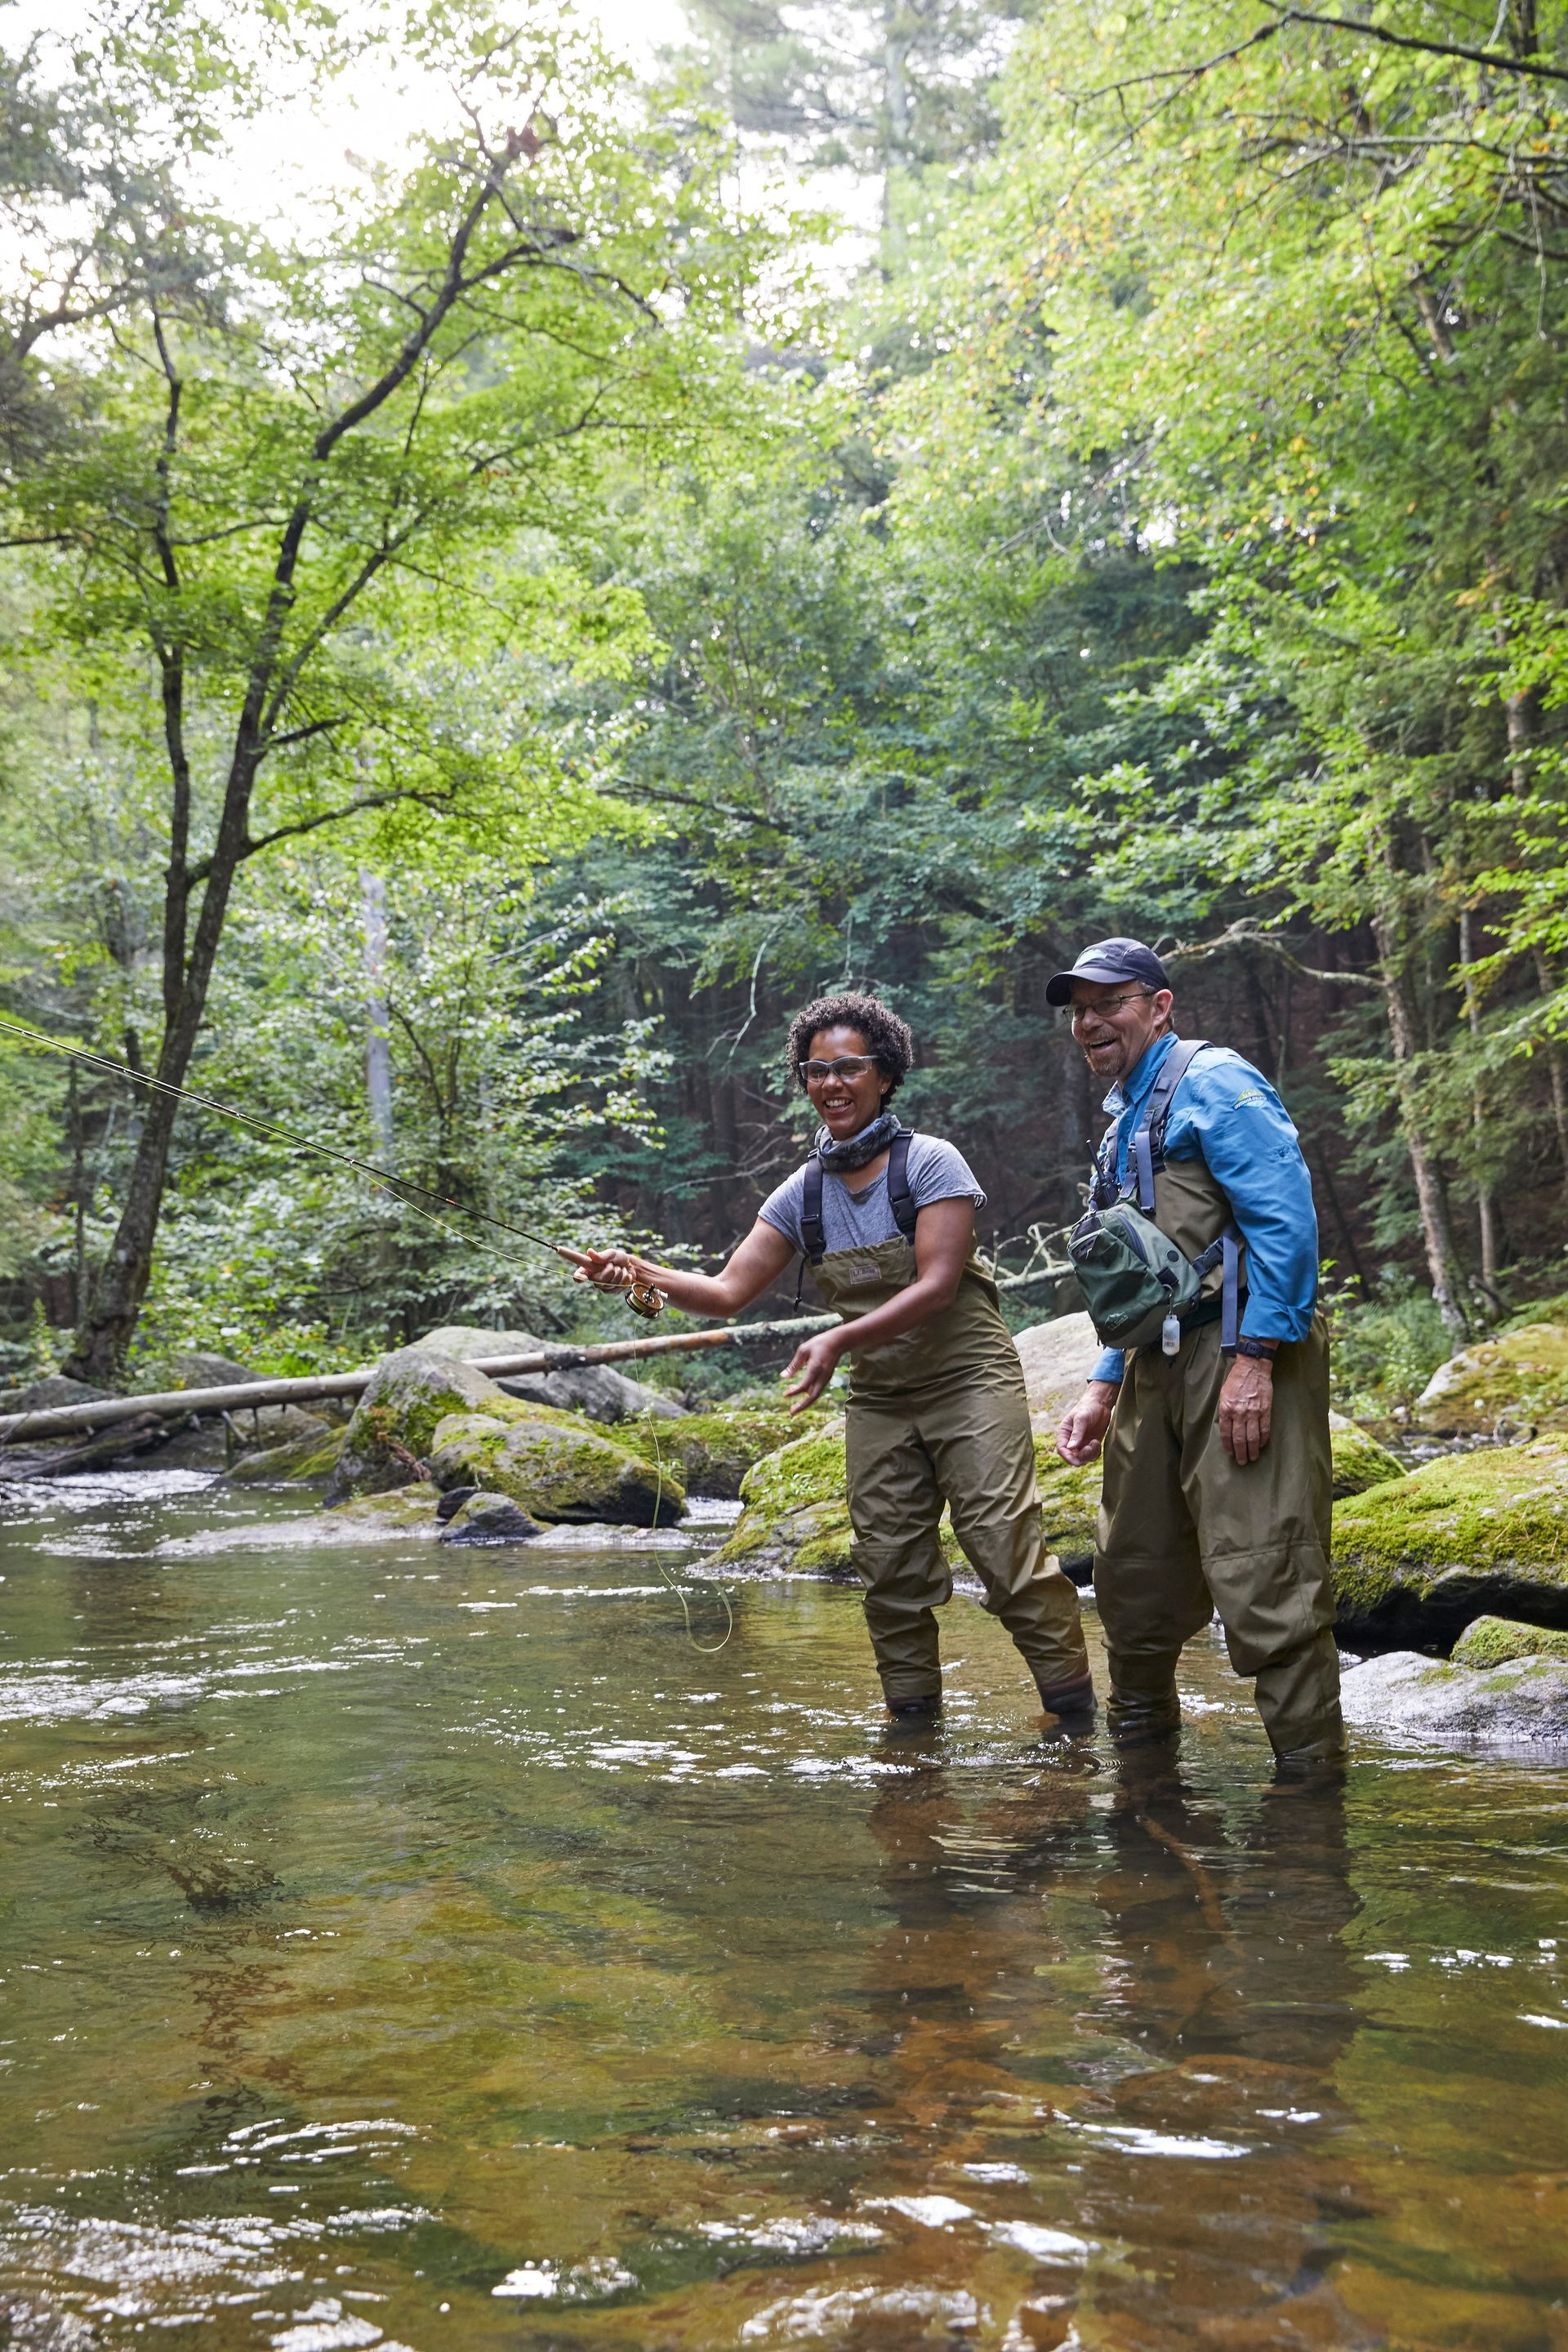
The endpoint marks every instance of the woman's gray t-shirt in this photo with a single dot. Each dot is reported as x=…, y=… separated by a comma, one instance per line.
x=853, y=1220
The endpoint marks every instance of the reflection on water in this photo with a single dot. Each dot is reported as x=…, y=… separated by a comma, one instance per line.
x=427, y=1948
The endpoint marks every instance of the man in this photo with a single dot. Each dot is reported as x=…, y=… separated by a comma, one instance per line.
x=936, y=1410
x=1217, y=1470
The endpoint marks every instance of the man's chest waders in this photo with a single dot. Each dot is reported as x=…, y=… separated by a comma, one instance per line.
x=1185, y=1531
x=938, y=1415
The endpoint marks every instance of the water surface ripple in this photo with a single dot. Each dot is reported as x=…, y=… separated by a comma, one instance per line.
x=408, y=1946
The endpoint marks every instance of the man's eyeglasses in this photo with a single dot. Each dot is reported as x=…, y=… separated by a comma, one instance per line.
x=848, y=1066
x=1106, y=1011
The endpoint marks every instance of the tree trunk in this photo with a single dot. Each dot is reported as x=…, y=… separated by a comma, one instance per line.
x=98, y=1353
x=378, y=1040
x=1437, y=1230
x=1486, y=1205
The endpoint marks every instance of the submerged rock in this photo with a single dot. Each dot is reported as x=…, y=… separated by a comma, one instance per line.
x=555, y=1464
x=388, y=1440
x=1518, y=1380
x=488, y=1520
x=1523, y=1700
x=1418, y=1559
x=1360, y=1462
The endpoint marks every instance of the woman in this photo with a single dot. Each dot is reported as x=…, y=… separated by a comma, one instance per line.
x=936, y=1411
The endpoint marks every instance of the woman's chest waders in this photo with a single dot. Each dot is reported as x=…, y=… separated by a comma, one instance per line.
x=939, y=1416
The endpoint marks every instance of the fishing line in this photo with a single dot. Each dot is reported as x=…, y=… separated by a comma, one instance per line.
x=703, y=1649
x=399, y=1187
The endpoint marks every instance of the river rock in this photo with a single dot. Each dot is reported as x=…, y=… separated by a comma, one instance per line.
x=388, y=1440
x=1517, y=1382
x=1360, y=1462
x=1523, y=1700
x=713, y=1451
x=1492, y=1641
x=56, y=1389
x=1057, y=1358
x=488, y=1520
x=796, y=1512
x=1419, y=1558
x=305, y=1461
x=596, y=1390
x=557, y=1465
x=198, y=1368
x=796, y=1515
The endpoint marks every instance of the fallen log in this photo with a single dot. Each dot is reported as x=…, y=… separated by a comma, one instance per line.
x=69, y=1420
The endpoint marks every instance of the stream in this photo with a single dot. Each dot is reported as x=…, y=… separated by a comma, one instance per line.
x=425, y=1947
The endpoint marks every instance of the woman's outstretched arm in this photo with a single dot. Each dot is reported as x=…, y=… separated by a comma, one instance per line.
x=753, y=1267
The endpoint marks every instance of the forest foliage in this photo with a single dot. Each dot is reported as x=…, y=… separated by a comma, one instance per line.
x=480, y=656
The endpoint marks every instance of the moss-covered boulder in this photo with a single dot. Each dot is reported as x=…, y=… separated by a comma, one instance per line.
x=713, y=1451
x=1519, y=1379
x=1493, y=1641
x=1522, y=1702
x=556, y=1466
x=1360, y=1462
x=1057, y=1358
x=1419, y=1558
x=796, y=1511
x=389, y=1439
x=797, y=1514
x=308, y=1461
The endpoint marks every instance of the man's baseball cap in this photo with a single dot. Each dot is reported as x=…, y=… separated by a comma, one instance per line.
x=1106, y=962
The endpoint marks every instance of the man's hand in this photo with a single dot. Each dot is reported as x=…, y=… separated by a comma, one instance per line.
x=812, y=1366
x=1246, y=1408
x=1080, y=1435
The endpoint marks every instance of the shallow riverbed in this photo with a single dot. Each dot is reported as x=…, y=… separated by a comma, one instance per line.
x=427, y=1948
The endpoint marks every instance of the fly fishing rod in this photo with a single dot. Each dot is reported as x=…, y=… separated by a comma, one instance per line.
x=642, y=1297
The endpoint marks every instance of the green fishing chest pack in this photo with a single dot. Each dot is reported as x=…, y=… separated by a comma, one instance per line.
x=1137, y=1285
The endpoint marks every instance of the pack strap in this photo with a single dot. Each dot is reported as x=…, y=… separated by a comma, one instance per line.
x=901, y=1199
x=1225, y=1252
x=1148, y=1137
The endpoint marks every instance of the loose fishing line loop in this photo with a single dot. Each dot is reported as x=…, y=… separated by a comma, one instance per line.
x=703, y=1649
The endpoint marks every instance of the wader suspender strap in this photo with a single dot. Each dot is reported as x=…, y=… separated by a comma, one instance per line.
x=1149, y=1153
x=900, y=1200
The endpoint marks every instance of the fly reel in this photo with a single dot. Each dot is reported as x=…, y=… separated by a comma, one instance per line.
x=643, y=1299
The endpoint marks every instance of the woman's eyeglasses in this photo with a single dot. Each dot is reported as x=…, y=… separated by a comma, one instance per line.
x=848, y=1066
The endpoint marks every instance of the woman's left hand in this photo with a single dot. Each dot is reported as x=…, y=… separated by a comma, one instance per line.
x=811, y=1368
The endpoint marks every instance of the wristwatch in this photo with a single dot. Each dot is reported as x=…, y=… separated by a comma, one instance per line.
x=1263, y=1349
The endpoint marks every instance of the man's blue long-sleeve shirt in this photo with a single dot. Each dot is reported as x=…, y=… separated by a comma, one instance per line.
x=1226, y=1114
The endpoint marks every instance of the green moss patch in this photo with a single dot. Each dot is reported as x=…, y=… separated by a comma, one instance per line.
x=1418, y=1557
x=713, y=1451
x=1493, y=1641
x=1360, y=1462
x=302, y=1464
x=556, y=1466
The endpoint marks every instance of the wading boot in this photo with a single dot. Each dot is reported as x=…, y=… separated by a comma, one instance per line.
x=1313, y=1752
x=1074, y=1698
x=914, y=1714
x=1143, y=1704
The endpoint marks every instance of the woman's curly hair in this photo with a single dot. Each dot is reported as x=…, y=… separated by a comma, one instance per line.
x=886, y=1037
